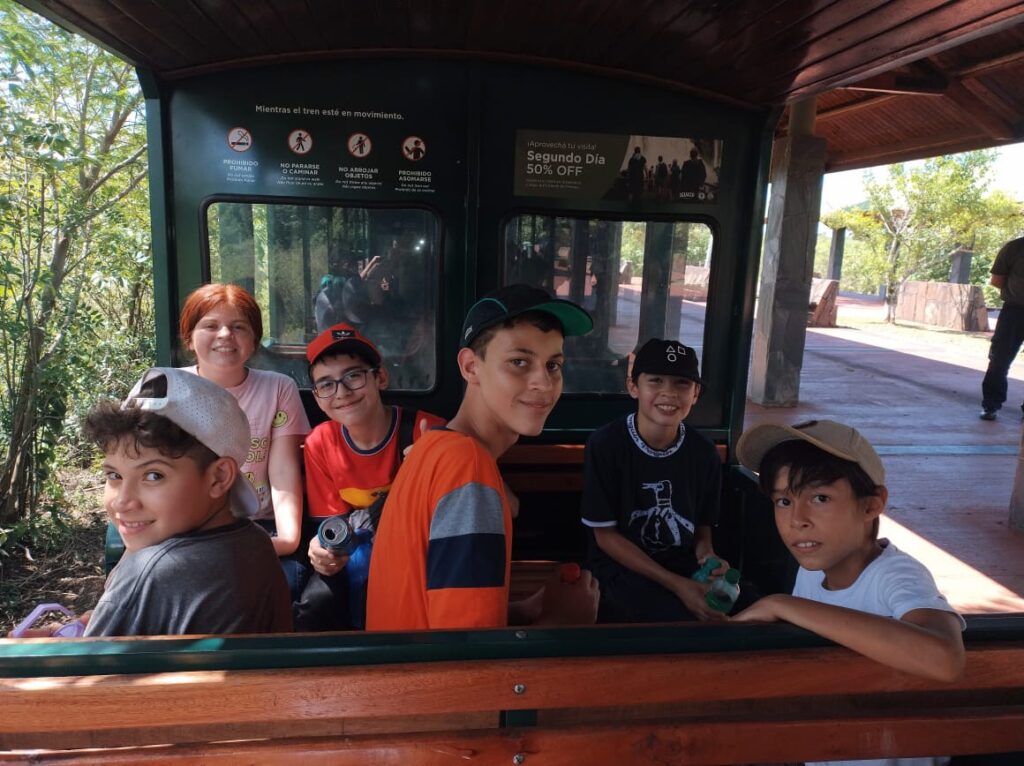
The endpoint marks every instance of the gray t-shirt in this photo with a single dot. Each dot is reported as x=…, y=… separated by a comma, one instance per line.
x=1010, y=263
x=222, y=580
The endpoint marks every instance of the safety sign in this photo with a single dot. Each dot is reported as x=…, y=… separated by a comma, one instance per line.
x=239, y=139
x=300, y=142
x=414, y=148
x=359, y=144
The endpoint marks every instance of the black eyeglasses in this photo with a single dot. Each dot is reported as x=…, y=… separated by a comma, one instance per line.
x=352, y=380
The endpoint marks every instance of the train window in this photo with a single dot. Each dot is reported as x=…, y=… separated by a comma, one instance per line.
x=311, y=266
x=639, y=280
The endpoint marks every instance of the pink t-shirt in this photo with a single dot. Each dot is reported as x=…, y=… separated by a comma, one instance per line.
x=272, y=404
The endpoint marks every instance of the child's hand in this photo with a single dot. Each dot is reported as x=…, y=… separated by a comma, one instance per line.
x=72, y=629
x=423, y=430
x=762, y=610
x=693, y=594
x=570, y=603
x=723, y=567
x=46, y=631
x=325, y=562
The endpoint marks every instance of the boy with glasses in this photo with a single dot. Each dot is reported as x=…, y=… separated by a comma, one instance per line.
x=351, y=459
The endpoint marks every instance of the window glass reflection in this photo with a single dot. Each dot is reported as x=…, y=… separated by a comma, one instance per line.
x=313, y=266
x=639, y=279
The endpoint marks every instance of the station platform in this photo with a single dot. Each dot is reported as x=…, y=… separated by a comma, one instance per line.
x=915, y=393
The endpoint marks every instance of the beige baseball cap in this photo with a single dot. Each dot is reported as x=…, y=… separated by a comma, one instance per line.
x=205, y=410
x=832, y=437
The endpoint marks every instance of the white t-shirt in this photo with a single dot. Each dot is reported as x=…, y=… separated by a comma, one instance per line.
x=273, y=407
x=892, y=585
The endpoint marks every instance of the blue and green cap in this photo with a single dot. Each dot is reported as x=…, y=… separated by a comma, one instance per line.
x=514, y=300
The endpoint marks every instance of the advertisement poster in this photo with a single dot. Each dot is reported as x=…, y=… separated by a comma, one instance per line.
x=603, y=166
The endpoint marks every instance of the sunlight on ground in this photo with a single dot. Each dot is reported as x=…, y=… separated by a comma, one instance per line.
x=963, y=349
x=969, y=590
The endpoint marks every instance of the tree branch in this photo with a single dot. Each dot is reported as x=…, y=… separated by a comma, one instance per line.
x=87, y=172
x=117, y=198
x=97, y=183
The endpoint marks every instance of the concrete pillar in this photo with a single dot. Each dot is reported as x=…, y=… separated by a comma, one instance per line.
x=960, y=268
x=835, y=254
x=656, y=275
x=780, y=322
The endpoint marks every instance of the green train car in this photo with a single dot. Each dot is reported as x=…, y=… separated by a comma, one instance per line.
x=388, y=178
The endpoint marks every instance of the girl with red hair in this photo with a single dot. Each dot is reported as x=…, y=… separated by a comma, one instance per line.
x=221, y=325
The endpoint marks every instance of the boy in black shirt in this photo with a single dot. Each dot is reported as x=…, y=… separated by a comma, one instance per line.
x=650, y=495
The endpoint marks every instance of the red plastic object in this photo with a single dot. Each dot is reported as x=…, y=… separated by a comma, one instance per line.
x=571, y=572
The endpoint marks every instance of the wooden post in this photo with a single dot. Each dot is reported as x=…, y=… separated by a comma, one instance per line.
x=780, y=321
x=835, y=254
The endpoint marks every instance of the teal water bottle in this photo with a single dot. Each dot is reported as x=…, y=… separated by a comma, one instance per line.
x=704, y=573
x=724, y=591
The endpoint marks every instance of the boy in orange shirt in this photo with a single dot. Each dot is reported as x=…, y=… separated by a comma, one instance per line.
x=442, y=555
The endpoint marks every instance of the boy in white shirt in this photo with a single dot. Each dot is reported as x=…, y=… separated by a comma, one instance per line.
x=827, y=485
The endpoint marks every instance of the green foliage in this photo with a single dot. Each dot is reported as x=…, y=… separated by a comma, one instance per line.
x=822, y=248
x=632, y=251
x=692, y=240
x=917, y=216
x=75, y=275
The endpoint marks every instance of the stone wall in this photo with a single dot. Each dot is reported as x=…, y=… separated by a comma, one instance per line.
x=822, y=308
x=692, y=284
x=953, y=306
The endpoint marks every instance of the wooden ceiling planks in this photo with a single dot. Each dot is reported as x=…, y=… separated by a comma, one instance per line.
x=658, y=39
x=782, y=54
x=225, y=21
x=896, y=34
x=106, y=24
x=760, y=53
x=191, y=19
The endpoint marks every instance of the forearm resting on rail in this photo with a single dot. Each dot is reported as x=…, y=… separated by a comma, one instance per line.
x=925, y=642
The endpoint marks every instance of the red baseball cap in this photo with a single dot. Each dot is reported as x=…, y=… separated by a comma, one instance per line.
x=342, y=338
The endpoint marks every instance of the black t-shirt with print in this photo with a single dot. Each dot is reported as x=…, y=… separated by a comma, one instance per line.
x=654, y=498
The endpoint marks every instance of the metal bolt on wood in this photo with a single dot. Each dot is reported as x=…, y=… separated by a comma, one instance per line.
x=519, y=758
x=520, y=634
x=519, y=688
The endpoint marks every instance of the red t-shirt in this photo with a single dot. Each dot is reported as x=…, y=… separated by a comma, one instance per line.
x=442, y=554
x=341, y=477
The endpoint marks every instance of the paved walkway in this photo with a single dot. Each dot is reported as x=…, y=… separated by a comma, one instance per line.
x=916, y=396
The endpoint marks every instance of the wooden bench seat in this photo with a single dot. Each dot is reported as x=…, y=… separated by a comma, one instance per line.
x=690, y=708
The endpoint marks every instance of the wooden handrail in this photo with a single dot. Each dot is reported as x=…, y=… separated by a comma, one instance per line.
x=691, y=743
x=765, y=691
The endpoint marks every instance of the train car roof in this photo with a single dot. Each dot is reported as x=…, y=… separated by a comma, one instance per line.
x=895, y=79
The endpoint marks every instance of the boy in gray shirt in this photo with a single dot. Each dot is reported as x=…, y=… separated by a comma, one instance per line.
x=193, y=562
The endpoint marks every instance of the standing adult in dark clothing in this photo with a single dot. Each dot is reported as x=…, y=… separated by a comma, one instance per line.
x=636, y=169
x=1008, y=276
x=692, y=175
x=661, y=178
x=675, y=175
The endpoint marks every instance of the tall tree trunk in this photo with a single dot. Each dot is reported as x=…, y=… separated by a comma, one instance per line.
x=19, y=454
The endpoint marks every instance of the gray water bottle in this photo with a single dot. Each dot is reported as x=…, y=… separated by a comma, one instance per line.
x=724, y=591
